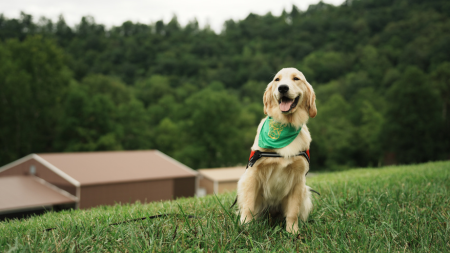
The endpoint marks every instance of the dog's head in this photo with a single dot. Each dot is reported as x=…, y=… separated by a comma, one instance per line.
x=290, y=98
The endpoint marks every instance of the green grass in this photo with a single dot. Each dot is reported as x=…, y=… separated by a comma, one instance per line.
x=393, y=209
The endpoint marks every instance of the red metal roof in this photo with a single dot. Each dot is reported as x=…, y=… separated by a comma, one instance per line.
x=117, y=166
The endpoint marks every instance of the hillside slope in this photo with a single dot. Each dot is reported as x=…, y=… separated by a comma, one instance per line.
x=389, y=209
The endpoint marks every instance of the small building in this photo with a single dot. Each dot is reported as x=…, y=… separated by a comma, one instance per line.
x=23, y=195
x=219, y=180
x=89, y=179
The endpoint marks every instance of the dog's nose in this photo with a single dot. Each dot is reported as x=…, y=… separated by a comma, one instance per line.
x=283, y=88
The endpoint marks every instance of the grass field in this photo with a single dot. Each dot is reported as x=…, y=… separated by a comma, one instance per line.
x=392, y=209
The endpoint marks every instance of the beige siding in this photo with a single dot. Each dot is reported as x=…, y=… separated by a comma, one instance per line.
x=42, y=172
x=227, y=186
x=130, y=192
x=207, y=184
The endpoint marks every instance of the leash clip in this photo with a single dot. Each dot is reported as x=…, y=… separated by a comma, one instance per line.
x=254, y=158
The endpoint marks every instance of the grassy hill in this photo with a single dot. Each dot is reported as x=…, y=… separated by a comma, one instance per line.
x=402, y=208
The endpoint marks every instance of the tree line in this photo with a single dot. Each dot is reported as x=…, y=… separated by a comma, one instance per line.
x=380, y=70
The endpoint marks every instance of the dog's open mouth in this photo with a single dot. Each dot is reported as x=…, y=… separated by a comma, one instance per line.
x=287, y=104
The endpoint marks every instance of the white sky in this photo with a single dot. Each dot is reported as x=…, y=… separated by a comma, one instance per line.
x=112, y=13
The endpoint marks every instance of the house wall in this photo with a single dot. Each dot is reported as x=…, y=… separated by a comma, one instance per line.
x=227, y=186
x=129, y=192
x=184, y=187
x=207, y=184
x=41, y=172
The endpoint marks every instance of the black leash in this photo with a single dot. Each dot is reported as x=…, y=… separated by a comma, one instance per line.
x=312, y=190
x=153, y=217
x=143, y=218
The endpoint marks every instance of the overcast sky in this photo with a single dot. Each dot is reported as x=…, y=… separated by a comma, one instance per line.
x=148, y=11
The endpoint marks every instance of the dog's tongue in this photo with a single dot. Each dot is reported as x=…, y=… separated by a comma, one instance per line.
x=285, y=104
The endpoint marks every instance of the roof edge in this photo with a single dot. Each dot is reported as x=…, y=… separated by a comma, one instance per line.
x=59, y=190
x=207, y=177
x=24, y=209
x=222, y=168
x=43, y=162
x=56, y=170
x=228, y=181
x=219, y=180
x=16, y=162
x=137, y=180
x=170, y=159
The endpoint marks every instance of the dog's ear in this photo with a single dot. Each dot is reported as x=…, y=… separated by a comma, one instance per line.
x=267, y=98
x=311, y=101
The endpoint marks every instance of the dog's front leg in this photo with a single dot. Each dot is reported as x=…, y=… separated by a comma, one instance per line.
x=297, y=203
x=248, y=195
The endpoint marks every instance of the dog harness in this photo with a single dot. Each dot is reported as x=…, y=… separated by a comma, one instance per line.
x=256, y=154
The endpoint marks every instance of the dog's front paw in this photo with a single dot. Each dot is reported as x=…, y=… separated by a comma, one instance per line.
x=246, y=217
x=292, y=229
x=292, y=225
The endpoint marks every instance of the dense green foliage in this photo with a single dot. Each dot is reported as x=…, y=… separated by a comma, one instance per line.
x=392, y=209
x=380, y=69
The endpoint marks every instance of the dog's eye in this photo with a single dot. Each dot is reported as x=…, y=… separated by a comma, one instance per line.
x=277, y=79
x=296, y=79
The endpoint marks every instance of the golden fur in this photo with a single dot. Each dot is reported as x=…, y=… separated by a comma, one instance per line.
x=279, y=183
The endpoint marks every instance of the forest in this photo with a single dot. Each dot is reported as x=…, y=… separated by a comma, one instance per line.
x=380, y=70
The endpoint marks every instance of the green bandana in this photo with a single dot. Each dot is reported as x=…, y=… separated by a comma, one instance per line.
x=276, y=135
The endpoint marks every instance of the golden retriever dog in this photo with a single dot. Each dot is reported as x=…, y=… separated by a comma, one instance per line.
x=278, y=183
